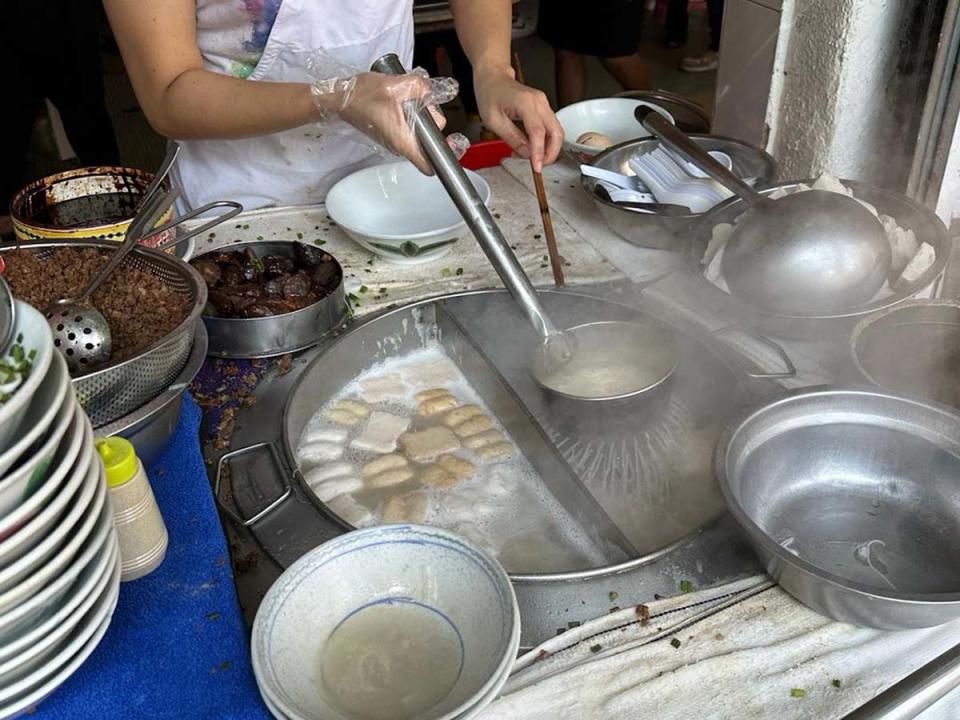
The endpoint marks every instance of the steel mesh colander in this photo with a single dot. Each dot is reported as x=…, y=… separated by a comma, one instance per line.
x=120, y=387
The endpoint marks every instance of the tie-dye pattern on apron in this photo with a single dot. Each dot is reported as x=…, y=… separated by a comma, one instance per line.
x=270, y=40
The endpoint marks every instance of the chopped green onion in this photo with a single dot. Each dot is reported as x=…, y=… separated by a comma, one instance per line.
x=798, y=693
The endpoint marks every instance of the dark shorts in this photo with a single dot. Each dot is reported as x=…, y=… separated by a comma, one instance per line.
x=603, y=28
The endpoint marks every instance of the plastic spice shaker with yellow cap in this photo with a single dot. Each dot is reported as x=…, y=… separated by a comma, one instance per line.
x=140, y=529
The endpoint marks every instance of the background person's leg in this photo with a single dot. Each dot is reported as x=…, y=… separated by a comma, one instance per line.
x=676, y=23
x=571, y=76
x=709, y=59
x=628, y=70
x=75, y=83
x=715, y=20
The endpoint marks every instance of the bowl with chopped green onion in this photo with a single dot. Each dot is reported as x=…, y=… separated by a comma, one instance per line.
x=22, y=369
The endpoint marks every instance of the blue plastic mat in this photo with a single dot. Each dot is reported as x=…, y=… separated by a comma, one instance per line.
x=177, y=646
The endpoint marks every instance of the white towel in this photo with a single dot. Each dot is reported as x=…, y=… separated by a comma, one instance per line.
x=744, y=650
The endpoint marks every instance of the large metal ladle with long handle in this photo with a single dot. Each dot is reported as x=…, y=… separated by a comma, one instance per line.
x=809, y=251
x=592, y=362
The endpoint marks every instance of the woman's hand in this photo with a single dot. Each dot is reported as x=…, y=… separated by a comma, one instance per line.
x=502, y=100
x=380, y=107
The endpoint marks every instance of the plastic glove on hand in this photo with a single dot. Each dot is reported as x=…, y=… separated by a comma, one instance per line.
x=382, y=107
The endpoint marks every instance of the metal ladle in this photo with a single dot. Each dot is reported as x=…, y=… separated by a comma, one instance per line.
x=595, y=361
x=810, y=251
x=80, y=332
x=8, y=317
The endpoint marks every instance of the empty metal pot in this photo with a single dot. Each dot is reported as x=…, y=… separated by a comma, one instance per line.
x=931, y=329
x=851, y=498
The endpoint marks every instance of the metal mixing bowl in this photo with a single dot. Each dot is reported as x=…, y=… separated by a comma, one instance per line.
x=851, y=498
x=150, y=427
x=664, y=232
x=931, y=329
x=908, y=213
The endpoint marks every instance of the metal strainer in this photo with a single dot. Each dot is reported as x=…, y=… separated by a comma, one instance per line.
x=119, y=387
x=80, y=332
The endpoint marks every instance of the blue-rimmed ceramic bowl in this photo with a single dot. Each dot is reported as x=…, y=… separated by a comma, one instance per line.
x=404, y=609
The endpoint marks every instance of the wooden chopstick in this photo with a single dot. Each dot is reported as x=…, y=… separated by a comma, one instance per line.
x=556, y=262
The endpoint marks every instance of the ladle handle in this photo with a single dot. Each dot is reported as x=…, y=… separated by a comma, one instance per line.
x=235, y=209
x=471, y=207
x=173, y=149
x=678, y=141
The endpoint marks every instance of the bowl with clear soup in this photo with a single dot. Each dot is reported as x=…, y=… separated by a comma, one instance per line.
x=386, y=623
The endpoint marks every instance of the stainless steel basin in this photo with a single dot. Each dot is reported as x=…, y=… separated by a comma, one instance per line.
x=851, y=498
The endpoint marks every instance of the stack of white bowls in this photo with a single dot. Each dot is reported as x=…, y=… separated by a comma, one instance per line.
x=395, y=621
x=59, y=559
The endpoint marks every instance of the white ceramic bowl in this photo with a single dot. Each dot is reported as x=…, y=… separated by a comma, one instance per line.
x=30, y=475
x=409, y=576
x=34, y=649
x=32, y=326
x=28, y=575
x=87, y=588
x=27, y=679
x=611, y=116
x=79, y=646
x=91, y=558
x=398, y=213
x=40, y=412
x=77, y=507
x=31, y=522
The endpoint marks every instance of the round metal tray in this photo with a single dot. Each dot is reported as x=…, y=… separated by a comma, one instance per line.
x=150, y=427
x=279, y=334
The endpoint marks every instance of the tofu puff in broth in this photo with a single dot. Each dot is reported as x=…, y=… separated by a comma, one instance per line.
x=410, y=440
x=242, y=284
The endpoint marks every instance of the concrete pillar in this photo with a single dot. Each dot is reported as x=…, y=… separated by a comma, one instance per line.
x=833, y=92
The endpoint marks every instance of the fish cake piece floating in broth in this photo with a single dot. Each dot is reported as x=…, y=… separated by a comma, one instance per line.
x=425, y=445
x=319, y=452
x=425, y=395
x=326, y=472
x=461, y=414
x=500, y=451
x=434, y=372
x=346, y=412
x=411, y=508
x=385, y=387
x=389, y=478
x=460, y=468
x=382, y=463
x=351, y=511
x=329, y=435
x=489, y=437
x=381, y=432
x=335, y=487
x=435, y=476
x=437, y=405
x=474, y=426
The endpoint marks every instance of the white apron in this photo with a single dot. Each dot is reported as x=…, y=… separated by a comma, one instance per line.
x=293, y=167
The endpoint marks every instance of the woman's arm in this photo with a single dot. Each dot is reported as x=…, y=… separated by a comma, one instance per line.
x=484, y=29
x=183, y=100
